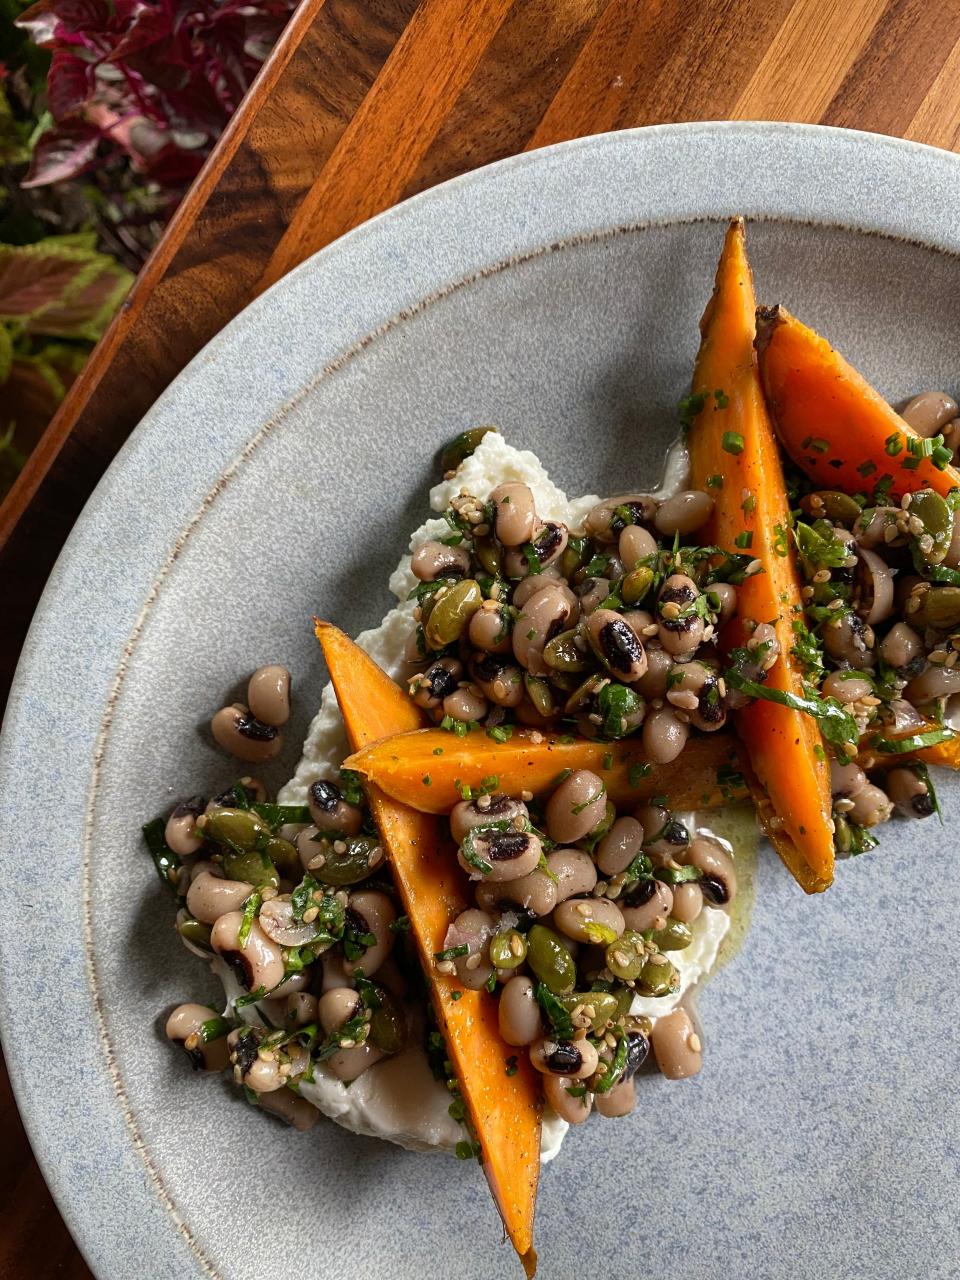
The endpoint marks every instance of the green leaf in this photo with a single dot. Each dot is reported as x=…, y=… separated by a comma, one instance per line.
x=6, y=353
x=165, y=860
x=915, y=742
x=837, y=725
x=555, y=1013
x=60, y=287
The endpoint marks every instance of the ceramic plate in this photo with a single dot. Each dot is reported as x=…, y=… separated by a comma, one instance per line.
x=558, y=294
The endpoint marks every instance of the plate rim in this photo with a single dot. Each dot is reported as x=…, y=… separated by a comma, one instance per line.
x=16, y=775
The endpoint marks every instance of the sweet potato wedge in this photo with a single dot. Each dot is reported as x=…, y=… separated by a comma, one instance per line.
x=503, y=1109
x=426, y=769
x=734, y=456
x=831, y=422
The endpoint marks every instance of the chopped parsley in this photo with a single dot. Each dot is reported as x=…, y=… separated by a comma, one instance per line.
x=732, y=442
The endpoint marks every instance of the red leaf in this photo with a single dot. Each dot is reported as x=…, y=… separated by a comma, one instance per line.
x=31, y=279
x=62, y=152
x=50, y=21
x=148, y=25
x=70, y=83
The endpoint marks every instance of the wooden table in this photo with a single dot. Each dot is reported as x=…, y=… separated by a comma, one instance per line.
x=365, y=102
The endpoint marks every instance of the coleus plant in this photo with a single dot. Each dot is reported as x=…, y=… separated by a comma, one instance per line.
x=56, y=298
x=154, y=80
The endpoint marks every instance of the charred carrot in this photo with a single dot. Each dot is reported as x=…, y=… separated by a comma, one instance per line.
x=431, y=769
x=734, y=456
x=504, y=1108
x=833, y=424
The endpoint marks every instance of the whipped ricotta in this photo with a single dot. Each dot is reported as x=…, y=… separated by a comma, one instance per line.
x=398, y=1098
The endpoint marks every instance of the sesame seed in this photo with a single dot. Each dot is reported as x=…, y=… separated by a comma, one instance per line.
x=310, y=915
x=483, y=802
x=822, y=575
x=621, y=958
x=693, y=1042
x=844, y=805
x=526, y=796
x=938, y=656
x=906, y=500
x=891, y=533
x=670, y=610
x=651, y=629
x=915, y=525
x=316, y=862
x=348, y=1044
x=835, y=604
x=192, y=1041
x=516, y=945
x=584, y=909
x=536, y=737
x=446, y=966
x=473, y=962
x=925, y=544
x=589, y=1010
x=722, y=687
x=339, y=846
x=807, y=593
x=267, y=1055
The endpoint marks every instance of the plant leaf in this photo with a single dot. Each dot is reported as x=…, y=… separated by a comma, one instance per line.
x=70, y=84
x=62, y=152
x=59, y=287
x=6, y=353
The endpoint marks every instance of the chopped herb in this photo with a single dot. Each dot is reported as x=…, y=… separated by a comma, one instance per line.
x=913, y=742
x=744, y=540
x=893, y=444
x=836, y=724
x=562, y=776
x=867, y=468
x=748, y=505
x=500, y=732
x=819, y=752
x=533, y=562
x=511, y=1065
x=456, y=995
x=426, y=780
x=214, y=1029
x=400, y=925
x=818, y=445
x=941, y=457
x=467, y=1150
x=607, y=761
x=715, y=482
x=531, y=633
x=923, y=773
x=491, y=982
x=677, y=875
x=351, y=786
x=252, y=997
x=471, y=856
x=555, y=1012
x=278, y=815
x=732, y=442
x=452, y=953
x=617, y=1066
x=251, y=907
x=690, y=406
x=721, y=398
x=165, y=860
x=617, y=704
x=438, y=751
x=881, y=490
x=597, y=795
x=458, y=727
x=911, y=463
x=577, y=1090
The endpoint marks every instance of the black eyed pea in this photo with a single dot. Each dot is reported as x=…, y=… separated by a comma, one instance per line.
x=338, y=861
x=874, y=587
x=653, y=684
x=576, y=807
x=519, y=1013
x=543, y=616
x=846, y=780
x=849, y=639
x=432, y=560
x=290, y=986
x=722, y=599
x=694, y=688
x=370, y=911
x=929, y=412
x=429, y=688
x=871, y=806
x=185, y=1026
x=535, y=893
x=687, y=901
x=330, y=812
x=465, y=703
x=181, y=832
x=451, y=614
x=575, y=872
x=490, y=628
x=268, y=694
x=485, y=810
x=297, y=1112
x=900, y=646
x=475, y=928
x=546, y=549
x=663, y=834
x=609, y=518
x=550, y=960
x=618, y=1101
x=591, y=593
x=719, y=880
x=871, y=526
x=616, y=645
x=676, y=1045
x=846, y=686
x=626, y=956
x=515, y=513
x=635, y=544
x=664, y=735
x=348, y=1064
x=909, y=793
x=577, y=1059
x=499, y=855
x=261, y=1073
x=536, y=582
x=589, y=920
x=680, y=625
x=211, y=896
x=258, y=963
x=648, y=906
x=933, y=682
x=498, y=680
x=619, y=846
x=575, y=1106
x=336, y=1007
x=684, y=512
x=301, y=1009
x=239, y=732
x=277, y=921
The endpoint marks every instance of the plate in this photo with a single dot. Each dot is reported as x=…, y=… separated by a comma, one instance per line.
x=558, y=294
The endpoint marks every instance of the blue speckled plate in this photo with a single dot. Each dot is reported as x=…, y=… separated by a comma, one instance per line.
x=557, y=293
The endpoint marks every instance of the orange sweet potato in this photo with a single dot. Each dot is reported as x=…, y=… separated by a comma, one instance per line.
x=830, y=420
x=504, y=1110
x=426, y=769
x=734, y=456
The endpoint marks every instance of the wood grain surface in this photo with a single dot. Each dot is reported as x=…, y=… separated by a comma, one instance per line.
x=365, y=102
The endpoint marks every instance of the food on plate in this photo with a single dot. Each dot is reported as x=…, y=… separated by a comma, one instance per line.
x=480, y=910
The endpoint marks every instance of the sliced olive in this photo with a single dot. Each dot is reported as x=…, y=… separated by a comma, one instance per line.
x=575, y=555
x=238, y=829
x=508, y=950
x=284, y=856
x=626, y=956
x=348, y=860
x=636, y=585
x=561, y=653
x=487, y=550
x=550, y=960
x=831, y=504
x=388, y=1026
x=937, y=520
x=674, y=936
x=541, y=695
x=194, y=931
x=452, y=612
x=253, y=866
x=462, y=446
x=658, y=977
x=605, y=1006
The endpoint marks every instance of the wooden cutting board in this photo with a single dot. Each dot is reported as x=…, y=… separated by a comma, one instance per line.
x=365, y=102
